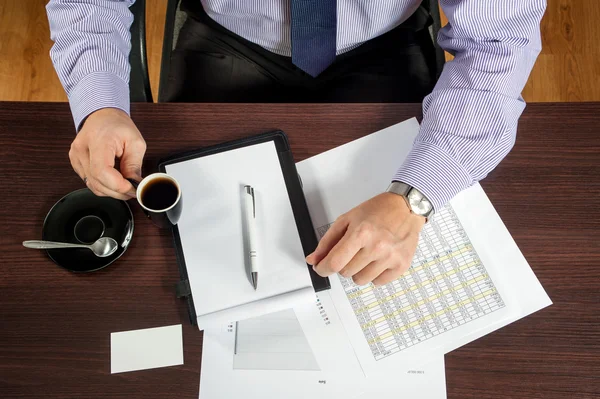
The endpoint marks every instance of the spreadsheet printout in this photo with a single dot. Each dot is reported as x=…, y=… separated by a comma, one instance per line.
x=447, y=286
x=467, y=279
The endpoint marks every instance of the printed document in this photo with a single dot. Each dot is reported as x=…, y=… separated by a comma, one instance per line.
x=269, y=357
x=467, y=279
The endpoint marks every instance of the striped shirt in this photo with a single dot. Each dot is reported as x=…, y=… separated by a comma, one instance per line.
x=469, y=119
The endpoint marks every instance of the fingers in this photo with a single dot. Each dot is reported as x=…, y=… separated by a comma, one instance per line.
x=356, y=237
x=374, y=263
x=131, y=161
x=107, y=134
x=333, y=235
x=360, y=260
x=104, y=177
x=101, y=191
x=370, y=272
x=375, y=242
x=75, y=154
x=389, y=275
x=83, y=168
x=77, y=166
x=342, y=253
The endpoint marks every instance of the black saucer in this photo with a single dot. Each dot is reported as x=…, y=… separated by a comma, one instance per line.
x=82, y=217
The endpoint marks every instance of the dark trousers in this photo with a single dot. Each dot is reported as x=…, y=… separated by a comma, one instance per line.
x=213, y=64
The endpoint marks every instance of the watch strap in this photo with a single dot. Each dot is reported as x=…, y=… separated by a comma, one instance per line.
x=404, y=190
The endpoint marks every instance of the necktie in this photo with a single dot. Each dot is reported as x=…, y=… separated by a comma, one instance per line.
x=313, y=34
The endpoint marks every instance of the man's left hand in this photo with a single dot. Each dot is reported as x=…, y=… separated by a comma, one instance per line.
x=375, y=241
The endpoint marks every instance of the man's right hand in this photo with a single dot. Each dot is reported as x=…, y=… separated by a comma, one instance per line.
x=106, y=135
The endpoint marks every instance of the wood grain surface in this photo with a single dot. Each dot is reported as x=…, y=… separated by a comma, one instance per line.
x=26, y=71
x=567, y=68
x=55, y=325
x=156, y=12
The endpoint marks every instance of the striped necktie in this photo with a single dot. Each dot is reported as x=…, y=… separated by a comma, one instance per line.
x=313, y=34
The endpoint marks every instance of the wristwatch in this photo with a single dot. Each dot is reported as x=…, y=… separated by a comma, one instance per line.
x=416, y=201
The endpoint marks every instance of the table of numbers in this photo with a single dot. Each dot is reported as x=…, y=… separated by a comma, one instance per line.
x=446, y=286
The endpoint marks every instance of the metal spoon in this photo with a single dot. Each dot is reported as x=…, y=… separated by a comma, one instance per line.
x=102, y=248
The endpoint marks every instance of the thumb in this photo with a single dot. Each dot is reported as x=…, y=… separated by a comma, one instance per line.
x=333, y=235
x=131, y=160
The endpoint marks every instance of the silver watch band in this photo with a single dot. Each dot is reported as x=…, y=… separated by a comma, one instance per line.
x=416, y=201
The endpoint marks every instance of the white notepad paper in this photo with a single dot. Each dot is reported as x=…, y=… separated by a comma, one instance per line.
x=212, y=236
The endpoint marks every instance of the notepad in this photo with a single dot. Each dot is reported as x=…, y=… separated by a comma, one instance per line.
x=212, y=239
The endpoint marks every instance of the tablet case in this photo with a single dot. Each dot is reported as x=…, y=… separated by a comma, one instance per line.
x=293, y=183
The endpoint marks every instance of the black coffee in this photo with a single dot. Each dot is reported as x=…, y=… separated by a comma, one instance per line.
x=159, y=193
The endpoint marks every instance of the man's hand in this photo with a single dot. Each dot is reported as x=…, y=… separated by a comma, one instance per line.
x=108, y=134
x=375, y=241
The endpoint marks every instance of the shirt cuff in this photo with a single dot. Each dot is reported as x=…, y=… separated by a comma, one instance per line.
x=433, y=172
x=96, y=91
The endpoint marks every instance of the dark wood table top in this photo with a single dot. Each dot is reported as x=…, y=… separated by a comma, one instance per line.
x=55, y=325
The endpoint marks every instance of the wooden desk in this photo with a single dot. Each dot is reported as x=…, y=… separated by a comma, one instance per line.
x=55, y=326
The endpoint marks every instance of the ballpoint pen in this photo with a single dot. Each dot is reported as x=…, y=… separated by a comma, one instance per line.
x=250, y=201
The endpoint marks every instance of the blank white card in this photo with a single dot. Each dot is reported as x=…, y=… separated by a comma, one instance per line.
x=146, y=349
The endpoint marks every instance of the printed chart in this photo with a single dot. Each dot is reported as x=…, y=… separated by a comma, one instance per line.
x=446, y=286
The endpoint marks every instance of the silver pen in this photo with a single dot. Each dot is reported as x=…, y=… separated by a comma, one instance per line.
x=250, y=201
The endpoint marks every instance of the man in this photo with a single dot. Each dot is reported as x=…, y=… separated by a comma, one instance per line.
x=299, y=50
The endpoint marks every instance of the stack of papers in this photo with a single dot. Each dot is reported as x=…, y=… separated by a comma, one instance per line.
x=274, y=360
x=468, y=278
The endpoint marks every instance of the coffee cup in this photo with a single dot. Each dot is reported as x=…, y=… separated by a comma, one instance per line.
x=160, y=197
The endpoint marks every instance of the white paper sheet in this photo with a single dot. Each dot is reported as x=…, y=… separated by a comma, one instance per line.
x=146, y=349
x=462, y=283
x=212, y=236
x=272, y=342
x=342, y=378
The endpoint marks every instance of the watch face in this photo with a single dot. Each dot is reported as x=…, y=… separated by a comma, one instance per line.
x=418, y=203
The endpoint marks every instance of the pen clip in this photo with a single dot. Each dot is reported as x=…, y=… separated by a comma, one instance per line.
x=250, y=191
